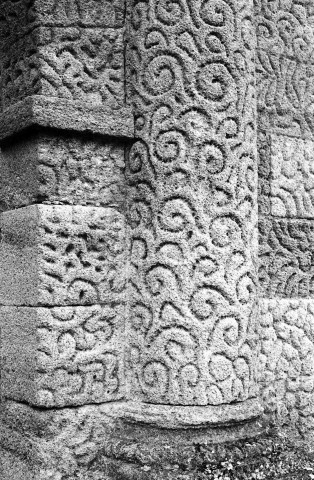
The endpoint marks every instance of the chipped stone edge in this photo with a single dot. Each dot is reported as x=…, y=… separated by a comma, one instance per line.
x=62, y=114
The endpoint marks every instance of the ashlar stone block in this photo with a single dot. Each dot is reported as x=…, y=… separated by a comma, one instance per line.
x=66, y=355
x=286, y=367
x=74, y=63
x=63, y=169
x=62, y=255
x=19, y=16
x=284, y=66
x=286, y=257
x=292, y=177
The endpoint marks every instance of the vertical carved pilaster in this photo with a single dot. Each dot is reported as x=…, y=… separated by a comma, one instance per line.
x=64, y=247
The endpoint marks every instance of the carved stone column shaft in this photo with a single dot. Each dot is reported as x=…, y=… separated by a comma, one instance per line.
x=192, y=179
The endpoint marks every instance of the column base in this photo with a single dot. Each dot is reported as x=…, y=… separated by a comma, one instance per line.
x=112, y=441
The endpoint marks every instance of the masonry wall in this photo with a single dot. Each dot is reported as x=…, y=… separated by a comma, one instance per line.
x=143, y=145
x=284, y=64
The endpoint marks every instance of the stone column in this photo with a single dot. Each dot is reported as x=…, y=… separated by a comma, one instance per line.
x=192, y=183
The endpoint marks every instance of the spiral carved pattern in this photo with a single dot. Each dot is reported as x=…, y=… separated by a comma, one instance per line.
x=192, y=189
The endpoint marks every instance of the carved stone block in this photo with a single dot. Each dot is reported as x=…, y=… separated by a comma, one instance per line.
x=75, y=63
x=285, y=66
x=286, y=257
x=62, y=255
x=292, y=172
x=286, y=28
x=18, y=17
x=41, y=113
x=286, y=370
x=64, y=169
x=285, y=95
x=66, y=355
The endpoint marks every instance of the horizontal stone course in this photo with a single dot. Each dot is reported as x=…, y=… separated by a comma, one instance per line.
x=20, y=16
x=66, y=355
x=39, y=112
x=62, y=255
x=63, y=169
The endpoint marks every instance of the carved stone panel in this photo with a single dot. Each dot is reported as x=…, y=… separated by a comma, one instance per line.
x=66, y=355
x=285, y=66
x=62, y=169
x=286, y=370
x=286, y=257
x=62, y=255
x=292, y=177
x=75, y=63
x=17, y=17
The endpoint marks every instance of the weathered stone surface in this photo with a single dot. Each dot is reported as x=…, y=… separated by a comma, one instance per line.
x=285, y=66
x=292, y=177
x=13, y=467
x=48, y=112
x=74, y=63
x=286, y=257
x=264, y=172
x=20, y=16
x=66, y=355
x=62, y=169
x=71, y=443
x=192, y=195
x=62, y=255
x=287, y=362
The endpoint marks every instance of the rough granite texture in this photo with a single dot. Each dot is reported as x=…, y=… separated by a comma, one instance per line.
x=62, y=255
x=20, y=16
x=40, y=112
x=285, y=66
x=286, y=258
x=62, y=169
x=287, y=362
x=292, y=177
x=76, y=62
x=99, y=443
x=66, y=355
x=192, y=193
x=135, y=328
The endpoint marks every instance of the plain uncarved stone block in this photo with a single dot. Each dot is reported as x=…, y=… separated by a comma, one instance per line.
x=63, y=169
x=66, y=355
x=70, y=115
x=62, y=255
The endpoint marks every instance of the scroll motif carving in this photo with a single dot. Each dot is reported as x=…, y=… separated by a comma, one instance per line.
x=192, y=183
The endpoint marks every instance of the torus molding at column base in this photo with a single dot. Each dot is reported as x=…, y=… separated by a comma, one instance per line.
x=58, y=113
x=98, y=442
x=189, y=417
